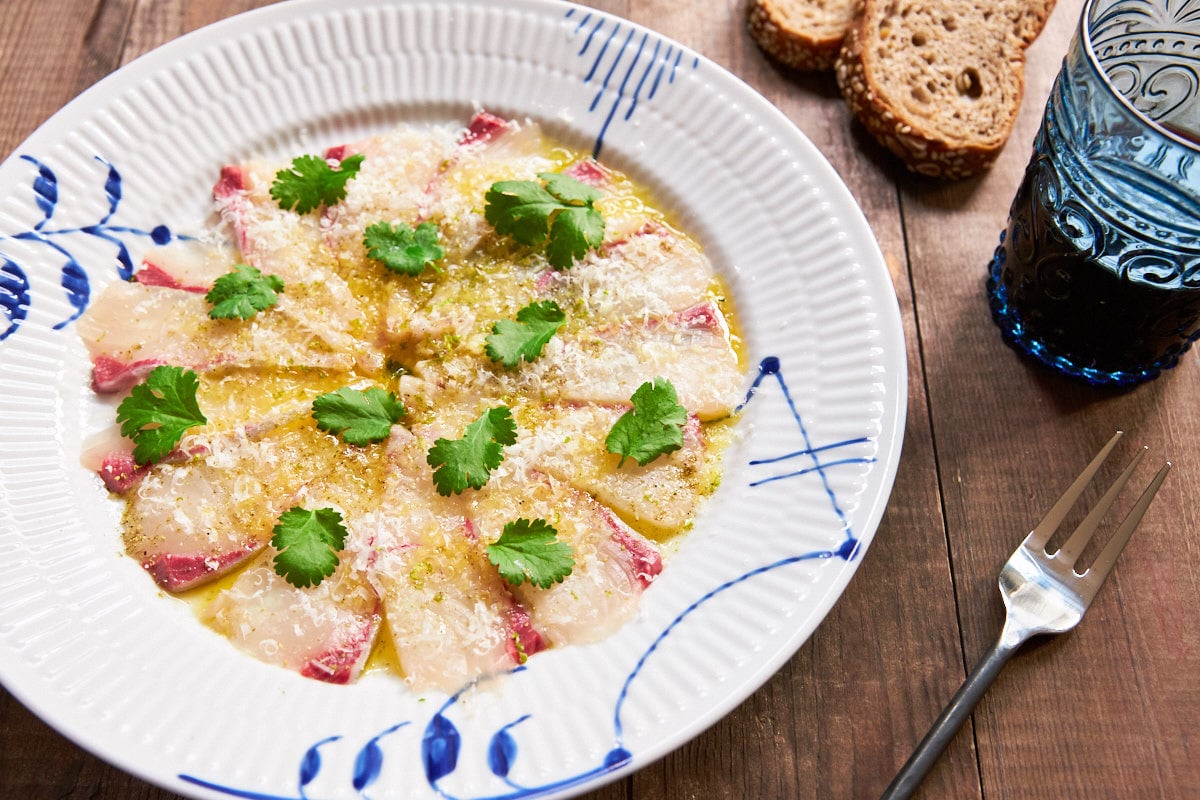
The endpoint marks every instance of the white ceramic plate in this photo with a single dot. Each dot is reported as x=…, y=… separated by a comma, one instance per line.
x=88, y=642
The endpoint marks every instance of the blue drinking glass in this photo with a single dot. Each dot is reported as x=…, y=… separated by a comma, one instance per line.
x=1098, y=272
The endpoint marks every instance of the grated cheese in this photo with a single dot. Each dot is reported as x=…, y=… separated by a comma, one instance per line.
x=415, y=564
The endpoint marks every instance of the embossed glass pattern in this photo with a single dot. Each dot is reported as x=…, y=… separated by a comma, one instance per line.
x=1098, y=272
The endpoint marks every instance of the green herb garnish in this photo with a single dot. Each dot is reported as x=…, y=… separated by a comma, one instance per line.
x=530, y=550
x=558, y=211
x=158, y=411
x=469, y=461
x=360, y=417
x=402, y=249
x=242, y=293
x=536, y=323
x=308, y=543
x=653, y=426
x=310, y=182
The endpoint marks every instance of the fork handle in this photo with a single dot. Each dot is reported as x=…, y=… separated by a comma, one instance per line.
x=952, y=718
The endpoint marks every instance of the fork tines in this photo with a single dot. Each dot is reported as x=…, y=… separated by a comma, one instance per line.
x=1069, y=552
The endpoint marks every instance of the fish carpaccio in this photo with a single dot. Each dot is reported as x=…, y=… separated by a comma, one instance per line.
x=414, y=573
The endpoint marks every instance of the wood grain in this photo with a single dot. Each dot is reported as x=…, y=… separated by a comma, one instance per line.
x=1110, y=711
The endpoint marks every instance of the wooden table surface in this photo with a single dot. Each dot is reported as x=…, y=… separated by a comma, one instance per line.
x=1109, y=711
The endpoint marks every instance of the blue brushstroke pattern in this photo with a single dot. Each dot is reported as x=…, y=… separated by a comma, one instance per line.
x=14, y=296
x=78, y=289
x=15, y=288
x=45, y=190
x=112, y=189
x=369, y=762
x=770, y=367
x=502, y=749
x=72, y=277
x=440, y=746
x=643, y=53
x=310, y=765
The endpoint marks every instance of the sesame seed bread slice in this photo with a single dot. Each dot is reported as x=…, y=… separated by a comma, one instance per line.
x=939, y=82
x=802, y=34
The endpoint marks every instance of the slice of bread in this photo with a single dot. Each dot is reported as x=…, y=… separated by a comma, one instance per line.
x=802, y=34
x=939, y=82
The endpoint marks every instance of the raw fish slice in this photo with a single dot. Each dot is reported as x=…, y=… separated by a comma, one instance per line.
x=613, y=563
x=451, y=616
x=190, y=521
x=131, y=328
x=290, y=246
x=324, y=631
x=591, y=172
x=651, y=274
x=690, y=348
x=185, y=264
x=568, y=442
x=390, y=185
x=490, y=150
x=110, y=455
x=410, y=322
x=621, y=203
x=274, y=240
x=464, y=305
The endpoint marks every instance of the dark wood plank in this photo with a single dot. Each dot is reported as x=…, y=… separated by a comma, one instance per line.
x=41, y=59
x=159, y=21
x=1104, y=712
x=104, y=41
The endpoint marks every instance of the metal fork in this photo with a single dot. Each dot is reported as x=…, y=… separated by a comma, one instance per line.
x=1043, y=594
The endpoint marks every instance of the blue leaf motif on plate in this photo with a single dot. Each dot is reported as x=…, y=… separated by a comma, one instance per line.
x=502, y=750
x=45, y=190
x=369, y=762
x=310, y=764
x=112, y=189
x=78, y=289
x=14, y=296
x=440, y=746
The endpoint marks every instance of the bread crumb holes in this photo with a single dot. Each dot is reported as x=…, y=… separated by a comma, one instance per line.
x=969, y=84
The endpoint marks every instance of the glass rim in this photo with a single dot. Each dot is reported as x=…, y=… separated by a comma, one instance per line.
x=1084, y=34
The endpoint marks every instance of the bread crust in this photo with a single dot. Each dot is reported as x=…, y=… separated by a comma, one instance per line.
x=809, y=49
x=921, y=141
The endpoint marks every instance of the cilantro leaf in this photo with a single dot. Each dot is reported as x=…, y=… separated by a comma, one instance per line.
x=568, y=190
x=573, y=232
x=158, y=411
x=308, y=543
x=469, y=461
x=536, y=323
x=310, y=182
x=402, y=249
x=558, y=211
x=242, y=293
x=531, y=551
x=653, y=427
x=359, y=416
